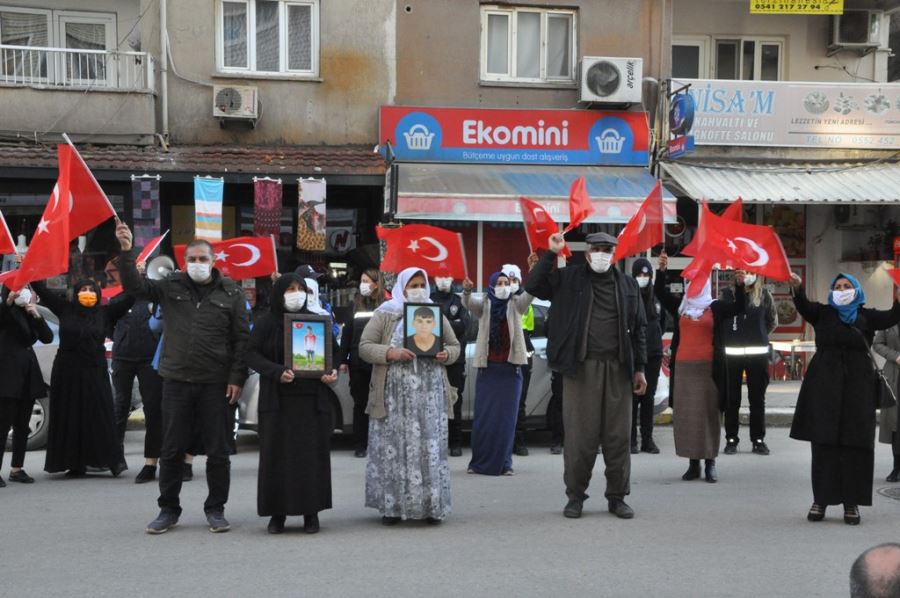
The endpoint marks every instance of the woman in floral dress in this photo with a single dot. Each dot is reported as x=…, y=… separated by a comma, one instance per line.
x=410, y=401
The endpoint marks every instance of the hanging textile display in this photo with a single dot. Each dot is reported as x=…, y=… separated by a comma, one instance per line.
x=208, y=193
x=266, y=207
x=311, y=215
x=145, y=210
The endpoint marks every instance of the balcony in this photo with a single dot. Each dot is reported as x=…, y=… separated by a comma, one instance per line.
x=96, y=95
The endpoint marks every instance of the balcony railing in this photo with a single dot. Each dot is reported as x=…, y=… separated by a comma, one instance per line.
x=76, y=69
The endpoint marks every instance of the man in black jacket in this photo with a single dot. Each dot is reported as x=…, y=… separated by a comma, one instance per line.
x=597, y=341
x=452, y=309
x=203, y=371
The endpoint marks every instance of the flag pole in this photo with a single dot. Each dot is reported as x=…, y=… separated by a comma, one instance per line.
x=462, y=252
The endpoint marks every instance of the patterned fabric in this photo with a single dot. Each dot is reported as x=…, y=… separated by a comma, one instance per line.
x=285, y=238
x=311, y=215
x=208, y=194
x=407, y=474
x=267, y=208
x=145, y=199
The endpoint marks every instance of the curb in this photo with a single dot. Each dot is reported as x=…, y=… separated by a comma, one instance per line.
x=775, y=417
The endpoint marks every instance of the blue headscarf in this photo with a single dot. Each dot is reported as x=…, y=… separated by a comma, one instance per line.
x=848, y=312
x=498, y=309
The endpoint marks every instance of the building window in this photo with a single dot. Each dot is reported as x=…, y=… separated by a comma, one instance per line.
x=756, y=59
x=690, y=58
x=527, y=45
x=268, y=36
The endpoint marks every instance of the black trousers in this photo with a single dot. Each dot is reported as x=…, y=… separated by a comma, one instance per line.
x=15, y=414
x=359, y=390
x=757, y=368
x=555, y=409
x=187, y=408
x=520, y=419
x=642, y=405
x=150, y=384
x=456, y=373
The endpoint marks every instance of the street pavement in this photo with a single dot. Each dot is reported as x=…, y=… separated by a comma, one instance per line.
x=745, y=536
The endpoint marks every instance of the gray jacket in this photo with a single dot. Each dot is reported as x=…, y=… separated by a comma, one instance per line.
x=887, y=344
x=515, y=309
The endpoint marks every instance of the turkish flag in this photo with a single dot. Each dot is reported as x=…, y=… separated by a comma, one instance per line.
x=109, y=292
x=241, y=257
x=9, y=274
x=539, y=226
x=7, y=244
x=734, y=211
x=580, y=206
x=645, y=229
x=88, y=204
x=150, y=248
x=48, y=254
x=438, y=251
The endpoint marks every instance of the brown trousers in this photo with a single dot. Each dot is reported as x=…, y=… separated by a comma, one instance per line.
x=597, y=412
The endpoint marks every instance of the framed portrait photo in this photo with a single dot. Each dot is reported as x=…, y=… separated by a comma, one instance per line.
x=423, y=329
x=789, y=319
x=308, y=345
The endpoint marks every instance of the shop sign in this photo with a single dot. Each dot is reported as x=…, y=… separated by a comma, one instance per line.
x=799, y=7
x=499, y=136
x=681, y=123
x=790, y=114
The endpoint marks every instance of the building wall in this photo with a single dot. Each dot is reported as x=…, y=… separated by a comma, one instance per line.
x=355, y=77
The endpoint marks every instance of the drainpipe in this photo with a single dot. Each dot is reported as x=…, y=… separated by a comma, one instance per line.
x=164, y=71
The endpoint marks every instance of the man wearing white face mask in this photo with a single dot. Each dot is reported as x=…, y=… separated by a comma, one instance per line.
x=203, y=371
x=452, y=308
x=597, y=340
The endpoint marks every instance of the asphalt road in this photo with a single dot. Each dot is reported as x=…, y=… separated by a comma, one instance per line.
x=745, y=536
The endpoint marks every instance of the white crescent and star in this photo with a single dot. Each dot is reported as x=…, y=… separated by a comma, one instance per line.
x=762, y=256
x=442, y=251
x=254, y=255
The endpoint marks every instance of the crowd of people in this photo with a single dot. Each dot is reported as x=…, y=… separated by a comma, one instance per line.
x=604, y=344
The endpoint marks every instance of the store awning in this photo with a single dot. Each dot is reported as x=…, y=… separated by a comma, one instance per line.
x=477, y=192
x=786, y=182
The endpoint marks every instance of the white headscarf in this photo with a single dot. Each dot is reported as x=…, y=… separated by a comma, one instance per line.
x=313, y=303
x=395, y=304
x=512, y=271
x=693, y=307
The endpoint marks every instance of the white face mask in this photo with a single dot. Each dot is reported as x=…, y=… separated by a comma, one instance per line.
x=843, y=297
x=24, y=297
x=600, y=261
x=294, y=300
x=365, y=289
x=417, y=295
x=514, y=288
x=502, y=292
x=443, y=284
x=749, y=279
x=643, y=281
x=199, y=272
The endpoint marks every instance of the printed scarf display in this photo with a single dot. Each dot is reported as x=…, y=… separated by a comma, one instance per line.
x=266, y=207
x=311, y=215
x=208, y=193
x=145, y=199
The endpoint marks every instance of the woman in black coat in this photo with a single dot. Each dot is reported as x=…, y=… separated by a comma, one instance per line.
x=836, y=406
x=82, y=429
x=295, y=419
x=21, y=382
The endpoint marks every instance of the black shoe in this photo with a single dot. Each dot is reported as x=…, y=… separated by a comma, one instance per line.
x=118, y=468
x=520, y=450
x=573, y=508
x=165, y=521
x=648, y=446
x=556, y=449
x=730, y=446
x=455, y=451
x=693, y=471
x=146, y=474
x=851, y=515
x=816, y=512
x=21, y=477
x=621, y=510
x=433, y=520
x=187, y=472
x=360, y=452
x=311, y=524
x=276, y=524
x=217, y=522
x=760, y=448
x=75, y=473
x=635, y=449
x=894, y=476
x=390, y=520
x=712, y=476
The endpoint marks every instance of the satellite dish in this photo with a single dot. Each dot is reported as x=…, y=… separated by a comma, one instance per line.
x=160, y=267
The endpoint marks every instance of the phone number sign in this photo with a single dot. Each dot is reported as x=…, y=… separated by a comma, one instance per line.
x=786, y=7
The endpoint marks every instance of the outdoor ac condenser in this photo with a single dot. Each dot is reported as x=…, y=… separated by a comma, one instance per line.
x=611, y=80
x=231, y=101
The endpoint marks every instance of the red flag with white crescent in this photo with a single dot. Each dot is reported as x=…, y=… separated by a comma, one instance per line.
x=147, y=251
x=88, y=204
x=580, y=206
x=438, y=251
x=241, y=257
x=539, y=226
x=645, y=229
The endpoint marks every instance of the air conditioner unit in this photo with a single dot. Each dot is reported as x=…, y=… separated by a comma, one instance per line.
x=239, y=102
x=611, y=80
x=859, y=29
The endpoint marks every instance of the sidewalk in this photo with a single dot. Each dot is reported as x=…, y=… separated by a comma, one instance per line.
x=781, y=399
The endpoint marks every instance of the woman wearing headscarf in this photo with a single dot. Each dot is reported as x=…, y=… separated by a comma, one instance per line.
x=319, y=307
x=21, y=381
x=836, y=406
x=295, y=419
x=887, y=344
x=369, y=297
x=82, y=430
x=643, y=405
x=499, y=356
x=697, y=411
x=410, y=401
